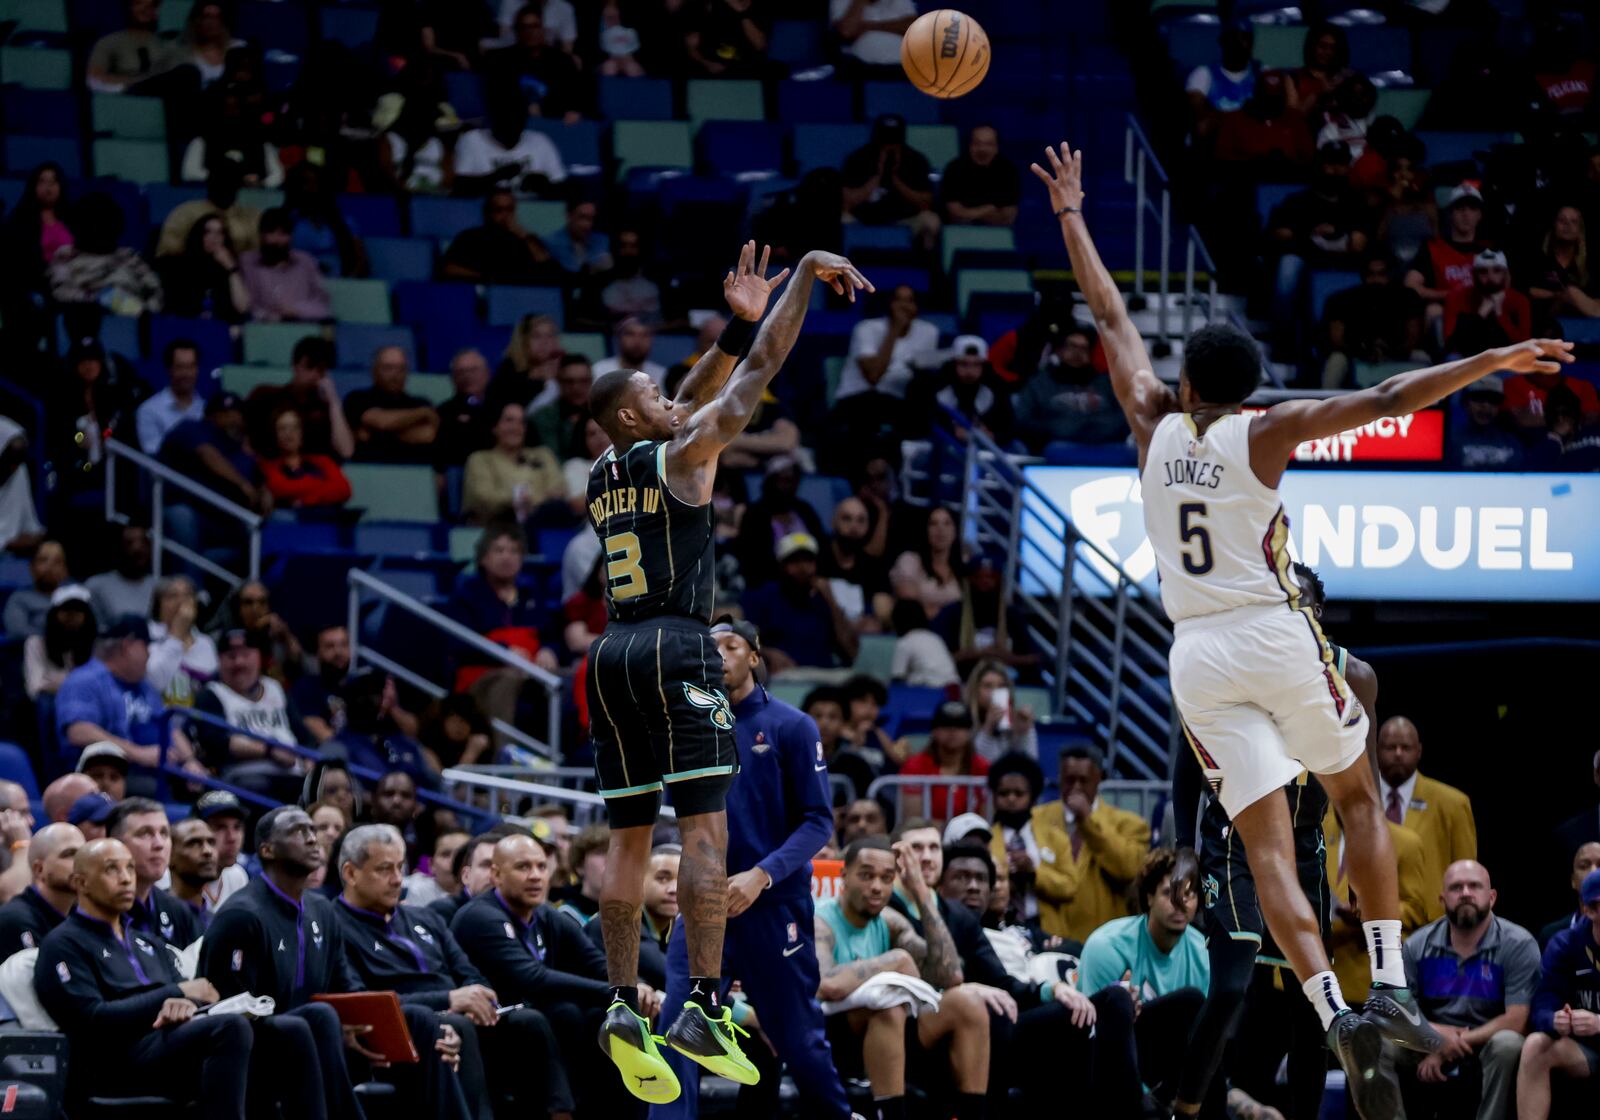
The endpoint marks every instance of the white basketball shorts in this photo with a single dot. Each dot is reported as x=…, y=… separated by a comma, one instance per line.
x=1261, y=699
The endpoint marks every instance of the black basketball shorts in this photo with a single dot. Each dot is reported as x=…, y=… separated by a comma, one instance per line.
x=659, y=719
x=1228, y=896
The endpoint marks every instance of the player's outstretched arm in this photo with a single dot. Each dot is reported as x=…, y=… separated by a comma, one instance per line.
x=1144, y=399
x=1275, y=434
x=746, y=289
x=714, y=425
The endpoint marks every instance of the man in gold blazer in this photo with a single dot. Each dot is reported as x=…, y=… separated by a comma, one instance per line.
x=1440, y=815
x=1347, y=946
x=1089, y=852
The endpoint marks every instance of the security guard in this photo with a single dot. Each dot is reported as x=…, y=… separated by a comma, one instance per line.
x=278, y=939
x=27, y=918
x=778, y=818
x=141, y=824
x=533, y=954
x=117, y=995
x=410, y=950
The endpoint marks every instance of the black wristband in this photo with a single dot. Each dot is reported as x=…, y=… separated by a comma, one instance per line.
x=1069, y=210
x=736, y=336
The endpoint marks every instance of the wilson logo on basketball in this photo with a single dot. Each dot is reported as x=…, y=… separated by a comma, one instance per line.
x=952, y=38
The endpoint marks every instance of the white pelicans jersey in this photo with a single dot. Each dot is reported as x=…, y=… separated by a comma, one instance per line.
x=1220, y=535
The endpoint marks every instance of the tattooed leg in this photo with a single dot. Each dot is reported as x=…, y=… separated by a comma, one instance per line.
x=703, y=889
x=621, y=900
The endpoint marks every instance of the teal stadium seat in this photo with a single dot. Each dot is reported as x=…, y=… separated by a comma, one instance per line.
x=246, y=379
x=272, y=344
x=541, y=218
x=36, y=16
x=36, y=67
x=651, y=144
x=590, y=344
x=392, y=492
x=971, y=280
x=359, y=301
x=122, y=117
x=724, y=100
x=939, y=142
x=134, y=161
x=1280, y=48
x=1404, y=105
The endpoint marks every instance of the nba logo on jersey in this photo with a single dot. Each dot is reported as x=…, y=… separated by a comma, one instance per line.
x=614, y=473
x=793, y=931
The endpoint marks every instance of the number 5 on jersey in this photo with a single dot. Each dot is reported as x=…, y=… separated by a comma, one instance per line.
x=623, y=574
x=1190, y=514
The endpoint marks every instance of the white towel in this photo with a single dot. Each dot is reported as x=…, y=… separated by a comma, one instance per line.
x=251, y=1007
x=888, y=989
x=16, y=985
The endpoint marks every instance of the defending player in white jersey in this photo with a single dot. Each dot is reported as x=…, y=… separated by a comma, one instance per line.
x=1253, y=678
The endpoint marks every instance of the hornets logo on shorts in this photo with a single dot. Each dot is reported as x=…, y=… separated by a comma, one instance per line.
x=715, y=703
x=1209, y=889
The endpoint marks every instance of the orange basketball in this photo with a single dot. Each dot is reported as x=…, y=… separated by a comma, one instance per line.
x=945, y=53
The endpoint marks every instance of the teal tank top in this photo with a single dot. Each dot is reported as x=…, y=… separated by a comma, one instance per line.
x=850, y=943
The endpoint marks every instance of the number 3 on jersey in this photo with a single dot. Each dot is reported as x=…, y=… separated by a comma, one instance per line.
x=1190, y=514
x=623, y=574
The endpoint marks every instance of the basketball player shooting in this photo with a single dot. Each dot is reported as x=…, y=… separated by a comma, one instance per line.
x=1255, y=682
x=657, y=711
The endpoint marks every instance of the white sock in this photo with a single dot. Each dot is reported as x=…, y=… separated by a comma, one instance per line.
x=1383, y=950
x=1323, y=992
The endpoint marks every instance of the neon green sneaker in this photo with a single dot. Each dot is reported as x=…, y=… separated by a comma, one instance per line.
x=711, y=1043
x=627, y=1041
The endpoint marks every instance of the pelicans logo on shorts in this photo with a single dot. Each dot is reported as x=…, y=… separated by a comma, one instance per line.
x=715, y=703
x=1210, y=889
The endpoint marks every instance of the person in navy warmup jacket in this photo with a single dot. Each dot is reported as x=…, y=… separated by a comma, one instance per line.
x=779, y=816
x=117, y=995
x=1564, y=1019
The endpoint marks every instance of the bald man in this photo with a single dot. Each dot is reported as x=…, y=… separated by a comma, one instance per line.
x=48, y=898
x=1474, y=975
x=1440, y=815
x=61, y=794
x=125, y=1010
x=531, y=953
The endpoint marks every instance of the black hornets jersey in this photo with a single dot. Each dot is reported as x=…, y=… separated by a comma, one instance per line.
x=658, y=549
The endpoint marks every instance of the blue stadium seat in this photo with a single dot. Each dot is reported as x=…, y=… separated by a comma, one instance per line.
x=900, y=98
x=163, y=198
x=1269, y=196
x=285, y=534
x=15, y=766
x=1062, y=452
x=423, y=306
x=273, y=26
x=825, y=145
x=210, y=335
x=822, y=493
x=355, y=343
x=1375, y=48
x=397, y=259
x=741, y=147
x=670, y=349
x=443, y=339
x=507, y=305
x=11, y=188
x=24, y=153
x=826, y=102
x=1583, y=331
x=635, y=99
x=888, y=279
x=1323, y=284
x=40, y=112
x=795, y=42
x=464, y=90
x=443, y=218
x=119, y=334
x=858, y=237
x=372, y=215
x=378, y=538
x=580, y=143
x=683, y=189
x=355, y=27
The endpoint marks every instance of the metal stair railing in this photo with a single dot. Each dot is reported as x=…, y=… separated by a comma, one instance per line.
x=1153, y=203
x=1104, y=638
x=162, y=476
x=360, y=583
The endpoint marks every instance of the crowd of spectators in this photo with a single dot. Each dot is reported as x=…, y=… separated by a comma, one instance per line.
x=1375, y=252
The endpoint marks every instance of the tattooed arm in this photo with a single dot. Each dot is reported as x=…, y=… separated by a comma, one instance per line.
x=839, y=980
x=935, y=954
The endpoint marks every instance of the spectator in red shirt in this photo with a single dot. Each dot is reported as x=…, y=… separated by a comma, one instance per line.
x=1526, y=394
x=1445, y=263
x=1266, y=131
x=1326, y=62
x=950, y=753
x=1565, y=80
x=585, y=612
x=297, y=479
x=1490, y=313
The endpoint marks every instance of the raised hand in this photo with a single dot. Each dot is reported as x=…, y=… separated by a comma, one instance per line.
x=838, y=273
x=1064, y=179
x=746, y=288
x=1538, y=355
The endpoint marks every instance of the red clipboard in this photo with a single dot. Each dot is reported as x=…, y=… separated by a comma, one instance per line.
x=389, y=1035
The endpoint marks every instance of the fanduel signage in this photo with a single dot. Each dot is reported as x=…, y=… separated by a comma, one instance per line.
x=1372, y=534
